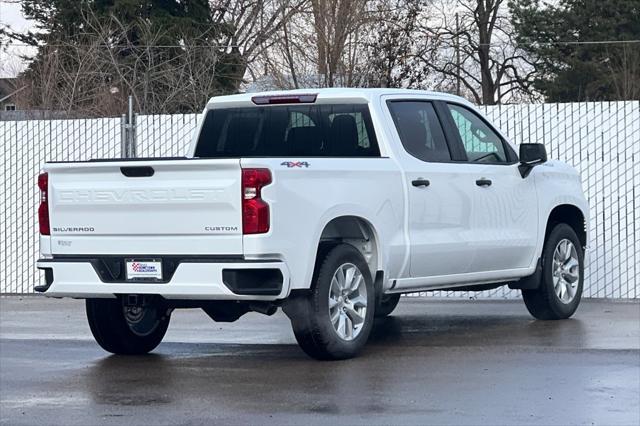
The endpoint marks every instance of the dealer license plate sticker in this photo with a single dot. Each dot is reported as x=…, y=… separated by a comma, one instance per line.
x=149, y=269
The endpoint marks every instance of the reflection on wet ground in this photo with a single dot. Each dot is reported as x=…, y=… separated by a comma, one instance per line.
x=431, y=362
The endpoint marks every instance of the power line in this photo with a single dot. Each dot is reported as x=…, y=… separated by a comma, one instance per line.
x=172, y=46
x=595, y=42
x=123, y=46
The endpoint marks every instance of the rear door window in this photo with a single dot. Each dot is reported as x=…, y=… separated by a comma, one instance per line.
x=288, y=131
x=420, y=130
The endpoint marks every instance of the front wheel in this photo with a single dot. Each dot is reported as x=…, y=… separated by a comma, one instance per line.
x=335, y=318
x=560, y=291
x=127, y=330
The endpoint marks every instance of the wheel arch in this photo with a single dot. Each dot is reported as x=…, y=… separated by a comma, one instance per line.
x=573, y=216
x=357, y=231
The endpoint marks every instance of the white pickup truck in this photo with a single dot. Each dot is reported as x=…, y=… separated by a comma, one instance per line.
x=328, y=203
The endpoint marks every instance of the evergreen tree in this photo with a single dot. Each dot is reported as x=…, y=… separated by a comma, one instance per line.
x=582, y=49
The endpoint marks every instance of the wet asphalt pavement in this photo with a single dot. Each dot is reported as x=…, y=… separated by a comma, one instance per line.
x=432, y=362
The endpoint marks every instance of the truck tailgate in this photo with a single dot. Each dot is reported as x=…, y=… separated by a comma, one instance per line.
x=146, y=207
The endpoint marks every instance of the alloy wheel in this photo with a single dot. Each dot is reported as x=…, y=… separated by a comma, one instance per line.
x=348, y=301
x=566, y=271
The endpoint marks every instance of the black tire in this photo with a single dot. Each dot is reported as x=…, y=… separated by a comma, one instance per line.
x=115, y=334
x=543, y=303
x=386, y=305
x=312, y=326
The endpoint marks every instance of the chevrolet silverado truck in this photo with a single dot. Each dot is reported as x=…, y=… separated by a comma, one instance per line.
x=326, y=203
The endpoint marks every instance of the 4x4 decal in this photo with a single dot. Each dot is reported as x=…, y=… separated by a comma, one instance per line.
x=291, y=164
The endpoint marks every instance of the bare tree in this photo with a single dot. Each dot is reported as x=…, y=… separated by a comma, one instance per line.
x=395, y=43
x=252, y=26
x=476, y=50
x=345, y=43
x=291, y=59
x=624, y=68
x=336, y=24
x=93, y=72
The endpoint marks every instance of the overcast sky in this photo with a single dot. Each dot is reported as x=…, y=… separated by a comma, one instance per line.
x=11, y=15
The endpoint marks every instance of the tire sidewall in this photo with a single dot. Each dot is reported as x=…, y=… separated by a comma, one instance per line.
x=558, y=233
x=113, y=333
x=338, y=256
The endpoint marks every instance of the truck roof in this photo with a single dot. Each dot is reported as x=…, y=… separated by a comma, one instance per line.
x=327, y=94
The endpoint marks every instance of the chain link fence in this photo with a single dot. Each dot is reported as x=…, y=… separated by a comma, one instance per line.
x=600, y=139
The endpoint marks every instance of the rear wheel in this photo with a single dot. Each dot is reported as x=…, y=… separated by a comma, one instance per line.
x=335, y=318
x=127, y=330
x=560, y=291
x=387, y=304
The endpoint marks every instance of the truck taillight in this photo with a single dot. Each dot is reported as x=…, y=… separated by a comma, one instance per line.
x=255, y=211
x=43, y=209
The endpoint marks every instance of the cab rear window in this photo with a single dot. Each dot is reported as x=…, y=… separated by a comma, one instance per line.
x=326, y=130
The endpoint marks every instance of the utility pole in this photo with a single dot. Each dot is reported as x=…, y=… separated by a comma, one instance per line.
x=457, y=47
x=128, y=132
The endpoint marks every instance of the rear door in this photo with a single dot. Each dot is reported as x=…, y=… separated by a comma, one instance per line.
x=502, y=214
x=146, y=207
x=439, y=198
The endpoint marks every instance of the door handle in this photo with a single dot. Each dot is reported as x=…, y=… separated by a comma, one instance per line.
x=483, y=182
x=420, y=182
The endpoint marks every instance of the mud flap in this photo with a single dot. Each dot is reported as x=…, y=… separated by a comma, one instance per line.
x=531, y=282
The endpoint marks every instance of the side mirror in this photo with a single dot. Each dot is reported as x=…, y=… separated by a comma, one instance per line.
x=531, y=155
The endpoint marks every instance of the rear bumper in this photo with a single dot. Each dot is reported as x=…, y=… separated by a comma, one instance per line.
x=233, y=279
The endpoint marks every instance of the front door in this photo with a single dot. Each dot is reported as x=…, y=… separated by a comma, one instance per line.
x=503, y=214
